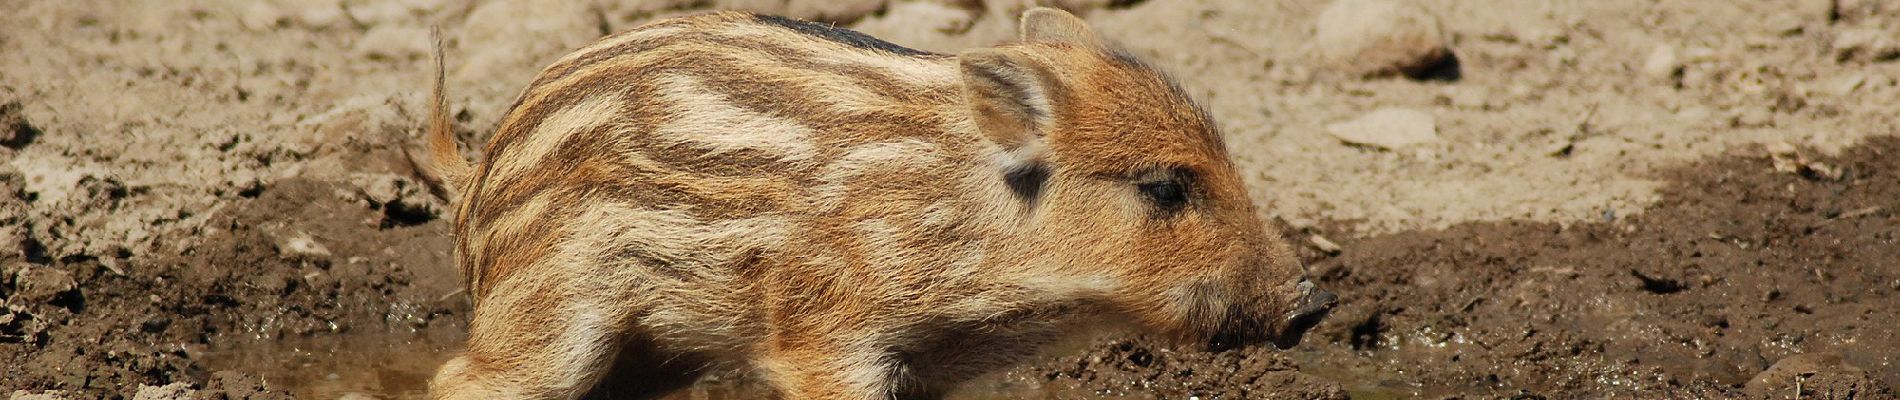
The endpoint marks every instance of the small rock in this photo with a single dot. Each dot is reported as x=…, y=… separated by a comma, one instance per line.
x=300, y=245
x=1856, y=9
x=41, y=284
x=1864, y=44
x=41, y=395
x=15, y=132
x=1699, y=54
x=238, y=385
x=1752, y=117
x=261, y=16
x=1561, y=148
x=322, y=15
x=1784, y=24
x=393, y=42
x=1663, y=64
x=1844, y=85
x=1540, y=35
x=1379, y=37
x=1323, y=244
x=174, y=391
x=1387, y=128
x=1787, y=159
x=1812, y=374
x=1815, y=10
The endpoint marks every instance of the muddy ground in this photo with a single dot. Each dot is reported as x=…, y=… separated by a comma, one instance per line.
x=205, y=199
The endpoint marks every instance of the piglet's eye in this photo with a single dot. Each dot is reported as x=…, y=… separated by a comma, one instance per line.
x=1166, y=195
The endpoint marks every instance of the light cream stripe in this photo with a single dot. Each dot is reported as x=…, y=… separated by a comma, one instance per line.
x=529, y=151
x=907, y=153
x=701, y=116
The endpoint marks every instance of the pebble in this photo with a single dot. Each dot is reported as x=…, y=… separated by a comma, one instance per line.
x=1864, y=44
x=261, y=16
x=15, y=132
x=393, y=42
x=1845, y=85
x=1663, y=64
x=1787, y=372
x=174, y=391
x=1752, y=117
x=1379, y=37
x=1323, y=244
x=1815, y=10
x=41, y=284
x=300, y=245
x=1699, y=54
x=1785, y=24
x=1387, y=128
x=321, y=15
x=23, y=394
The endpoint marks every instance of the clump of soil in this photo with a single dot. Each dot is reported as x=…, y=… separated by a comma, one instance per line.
x=1741, y=281
x=301, y=259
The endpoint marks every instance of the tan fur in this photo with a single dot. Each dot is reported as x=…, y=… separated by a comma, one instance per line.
x=445, y=167
x=844, y=218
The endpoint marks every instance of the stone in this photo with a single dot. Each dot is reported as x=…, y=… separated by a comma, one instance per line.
x=174, y=391
x=1810, y=375
x=1844, y=85
x=1864, y=44
x=261, y=16
x=41, y=395
x=1380, y=37
x=1388, y=128
x=1663, y=64
x=300, y=245
x=393, y=42
x=41, y=284
x=1785, y=24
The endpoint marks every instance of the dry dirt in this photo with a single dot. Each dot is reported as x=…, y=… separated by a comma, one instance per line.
x=205, y=198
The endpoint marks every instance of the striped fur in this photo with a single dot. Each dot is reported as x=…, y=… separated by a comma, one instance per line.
x=841, y=216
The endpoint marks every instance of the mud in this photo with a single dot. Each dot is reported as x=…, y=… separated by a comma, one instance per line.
x=207, y=199
x=1737, y=277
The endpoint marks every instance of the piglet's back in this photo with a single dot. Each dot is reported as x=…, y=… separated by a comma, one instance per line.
x=709, y=139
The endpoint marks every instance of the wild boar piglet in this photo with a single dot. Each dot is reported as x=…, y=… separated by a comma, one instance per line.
x=842, y=217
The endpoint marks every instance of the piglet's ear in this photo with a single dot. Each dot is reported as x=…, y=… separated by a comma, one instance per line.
x=1049, y=25
x=1011, y=98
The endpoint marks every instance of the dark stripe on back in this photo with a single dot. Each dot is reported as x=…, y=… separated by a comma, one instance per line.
x=841, y=35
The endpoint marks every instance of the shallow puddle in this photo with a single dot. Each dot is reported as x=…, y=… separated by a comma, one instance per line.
x=350, y=365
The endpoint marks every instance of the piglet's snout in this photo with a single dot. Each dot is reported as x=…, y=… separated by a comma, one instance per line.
x=1313, y=306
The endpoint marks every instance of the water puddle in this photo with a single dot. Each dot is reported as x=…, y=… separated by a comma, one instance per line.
x=350, y=365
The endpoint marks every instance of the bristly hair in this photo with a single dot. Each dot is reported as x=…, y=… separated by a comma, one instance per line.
x=1122, y=57
x=841, y=35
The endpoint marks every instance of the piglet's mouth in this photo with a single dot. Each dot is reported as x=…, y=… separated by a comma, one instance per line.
x=1313, y=307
